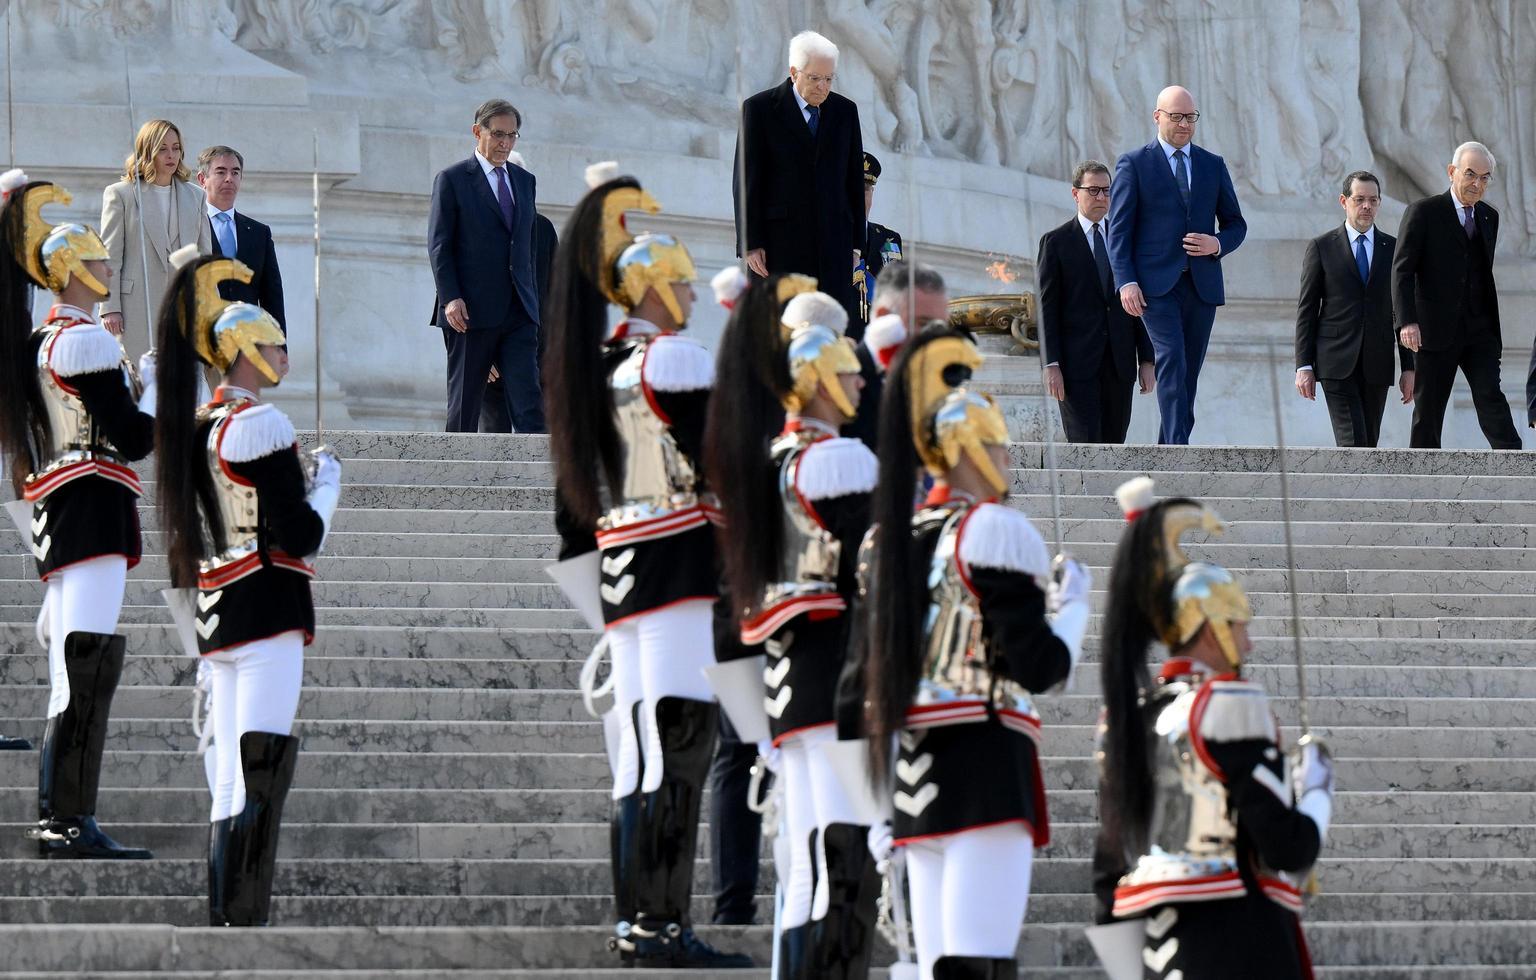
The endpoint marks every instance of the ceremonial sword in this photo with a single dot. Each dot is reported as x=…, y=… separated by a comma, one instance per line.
x=1281, y=464
x=319, y=419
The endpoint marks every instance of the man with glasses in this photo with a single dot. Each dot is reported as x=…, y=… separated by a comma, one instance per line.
x=480, y=239
x=1094, y=350
x=1173, y=216
x=1446, y=302
x=798, y=180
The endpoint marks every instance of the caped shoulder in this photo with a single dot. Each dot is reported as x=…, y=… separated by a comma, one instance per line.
x=254, y=432
x=995, y=536
x=675, y=363
x=836, y=467
x=84, y=348
x=1233, y=711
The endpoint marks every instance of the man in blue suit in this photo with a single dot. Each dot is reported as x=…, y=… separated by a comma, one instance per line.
x=1173, y=216
x=481, y=240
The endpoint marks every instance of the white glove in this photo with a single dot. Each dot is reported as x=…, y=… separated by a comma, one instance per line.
x=325, y=495
x=147, y=367
x=771, y=754
x=1312, y=780
x=882, y=841
x=1067, y=601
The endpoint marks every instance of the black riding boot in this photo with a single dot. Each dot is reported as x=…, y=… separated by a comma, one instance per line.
x=669, y=834
x=975, y=968
x=69, y=766
x=10, y=744
x=218, y=875
x=624, y=851
x=843, y=940
x=267, y=761
x=795, y=953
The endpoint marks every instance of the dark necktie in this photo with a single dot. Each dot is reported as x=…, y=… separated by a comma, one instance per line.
x=815, y=117
x=1101, y=258
x=504, y=196
x=1361, y=262
x=1181, y=174
x=1469, y=224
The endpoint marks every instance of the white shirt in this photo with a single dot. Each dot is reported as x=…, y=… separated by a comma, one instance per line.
x=1370, y=255
x=805, y=107
x=1173, y=165
x=1461, y=212
x=1087, y=227
x=490, y=177
x=213, y=216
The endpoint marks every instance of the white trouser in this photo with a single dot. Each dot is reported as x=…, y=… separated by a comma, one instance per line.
x=814, y=800
x=255, y=689
x=83, y=598
x=656, y=655
x=969, y=892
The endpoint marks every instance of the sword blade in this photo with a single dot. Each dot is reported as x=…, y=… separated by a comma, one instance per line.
x=1282, y=463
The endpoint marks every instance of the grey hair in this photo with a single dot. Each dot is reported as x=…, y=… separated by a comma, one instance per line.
x=205, y=159
x=491, y=108
x=807, y=45
x=897, y=277
x=1473, y=146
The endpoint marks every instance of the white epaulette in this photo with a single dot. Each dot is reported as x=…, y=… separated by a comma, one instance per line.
x=995, y=536
x=836, y=468
x=1236, y=711
x=256, y=432
x=675, y=363
x=84, y=348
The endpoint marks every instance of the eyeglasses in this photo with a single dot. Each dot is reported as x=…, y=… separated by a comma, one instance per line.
x=1093, y=191
x=500, y=137
x=1473, y=177
x=817, y=79
x=1181, y=117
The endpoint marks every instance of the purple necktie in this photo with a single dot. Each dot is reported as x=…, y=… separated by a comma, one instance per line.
x=1469, y=224
x=504, y=196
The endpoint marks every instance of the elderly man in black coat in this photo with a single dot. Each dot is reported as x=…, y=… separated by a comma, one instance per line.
x=799, y=177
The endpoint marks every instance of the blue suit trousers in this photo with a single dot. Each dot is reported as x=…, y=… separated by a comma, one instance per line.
x=1179, y=325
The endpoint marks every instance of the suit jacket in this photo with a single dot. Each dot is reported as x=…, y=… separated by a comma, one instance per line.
x=1530, y=389
x=474, y=256
x=1148, y=222
x=866, y=422
x=120, y=233
x=803, y=199
x=1341, y=321
x=1078, y=317
x=1429, y=270
x=253, y=246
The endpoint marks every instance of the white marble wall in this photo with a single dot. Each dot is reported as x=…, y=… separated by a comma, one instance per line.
x=978, y=109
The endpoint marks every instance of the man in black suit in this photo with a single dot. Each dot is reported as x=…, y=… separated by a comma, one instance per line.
x=1095, y=351
x=1447, y=305
x=799, y=176
x=1344, y=335
x=220, y=171
x=480, y=240
x=881, y=245
x=493, y=411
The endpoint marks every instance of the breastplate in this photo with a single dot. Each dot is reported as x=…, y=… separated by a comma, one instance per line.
x=236, y=500
x=955, y=656
x=659, y=478
x=73, y=435
x=808, y=559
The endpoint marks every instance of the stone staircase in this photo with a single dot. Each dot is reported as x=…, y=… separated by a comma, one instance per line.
x=448, y=817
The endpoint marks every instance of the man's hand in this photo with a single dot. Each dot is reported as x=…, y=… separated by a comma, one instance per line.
x=114, y=324
x=1306, y=384
x=1147, y=376
x=757, y=261
x=1405, y=386
x=457, y=315
x=1131, y=300
x=1410, y=337
x=1055, y=385
x=1198, y=244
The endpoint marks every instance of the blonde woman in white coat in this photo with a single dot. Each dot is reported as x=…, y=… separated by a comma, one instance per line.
x=174, y=215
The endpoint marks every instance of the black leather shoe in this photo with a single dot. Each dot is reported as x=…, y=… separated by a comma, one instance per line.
x=677, y=947
x=9, y=744
x=65, y=838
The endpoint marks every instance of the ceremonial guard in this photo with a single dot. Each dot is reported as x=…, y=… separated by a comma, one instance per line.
x=881, y=245
x=626, y=410
x=245, y=513
x=70, y=423
x=1203, y=828
x=796, y=499
x=965, y=619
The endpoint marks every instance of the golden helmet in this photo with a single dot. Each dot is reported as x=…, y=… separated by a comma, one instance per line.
x=222, y=330
x=632, y=265
x=51, y=254
x=813, y=324
x=948, y=419
x=1202, y=592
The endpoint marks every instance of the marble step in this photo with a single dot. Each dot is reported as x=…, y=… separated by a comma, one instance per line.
x=470, y=737
x=509, y=643
x=1449, y=972
x=575, y=840
x=125, y=948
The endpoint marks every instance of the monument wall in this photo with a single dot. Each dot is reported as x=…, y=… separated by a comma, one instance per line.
x=977, y=108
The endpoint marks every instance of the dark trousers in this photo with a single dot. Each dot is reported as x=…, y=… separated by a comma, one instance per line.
x=514, y=351
x=1098, y=407
x=735, y=831
x=1355, y=408
x=1179, y=325
x=1477, y=355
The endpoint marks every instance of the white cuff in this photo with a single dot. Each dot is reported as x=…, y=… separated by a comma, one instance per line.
x=1070, y=624
x=1301, y=369
x=1318, y=804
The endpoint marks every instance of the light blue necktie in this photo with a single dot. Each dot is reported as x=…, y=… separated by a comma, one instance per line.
x=225, y=227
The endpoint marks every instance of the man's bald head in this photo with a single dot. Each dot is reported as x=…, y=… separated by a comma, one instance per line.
x=1175, y=115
